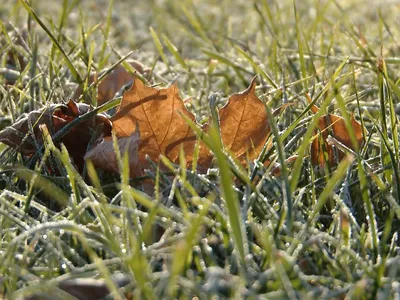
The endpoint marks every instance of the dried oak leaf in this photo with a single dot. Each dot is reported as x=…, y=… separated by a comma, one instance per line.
x=335, y=126
x=26, y=137
x=113, y=82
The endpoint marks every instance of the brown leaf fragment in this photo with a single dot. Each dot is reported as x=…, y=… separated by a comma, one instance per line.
x=103, y=155
x=20, y=137
x=158, y=114
x=113, y=82
x=276, y=168
x=244, y=124
x=80, y=136
x=79, y=288
x=26, y=137
x=335, y=126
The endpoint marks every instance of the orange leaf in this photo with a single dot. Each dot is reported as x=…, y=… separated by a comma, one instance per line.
x=157, y=112
x=113, y=82
x=244, y=124
x=335, y=126
x=157, y=115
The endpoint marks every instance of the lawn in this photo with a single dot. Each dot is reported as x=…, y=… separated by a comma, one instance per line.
x=310, y=209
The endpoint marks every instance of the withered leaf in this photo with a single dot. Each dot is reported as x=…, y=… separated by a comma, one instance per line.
x=19, y=137
x=80, y=288
x=158, y=114
x=79, y=137
x=103, y=154
x=244, y=124
x=26, y=137
x=335, y=126
x=113, y=82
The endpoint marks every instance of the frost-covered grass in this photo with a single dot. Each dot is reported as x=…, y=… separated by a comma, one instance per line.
x=304, y=234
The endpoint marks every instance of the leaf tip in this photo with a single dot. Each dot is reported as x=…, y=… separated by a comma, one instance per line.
x=253, y=84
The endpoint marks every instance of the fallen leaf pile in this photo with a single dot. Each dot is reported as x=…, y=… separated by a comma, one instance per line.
x=153, y=117
x=150, y=122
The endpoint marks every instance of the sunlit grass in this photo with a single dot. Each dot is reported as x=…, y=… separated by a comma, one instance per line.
x=231, y=232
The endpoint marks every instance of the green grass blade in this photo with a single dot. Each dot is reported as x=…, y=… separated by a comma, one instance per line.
x=174, y=51
x=159, y=47
x=70, y=65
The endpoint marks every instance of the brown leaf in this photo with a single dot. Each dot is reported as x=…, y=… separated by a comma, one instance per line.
x=335, y=126
x=158, y=114
x=26, y=137
x=19, y=137
x=113, y=82
x=79, y=137
x=80, y=288
x=103, y=155
x=244, y=124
